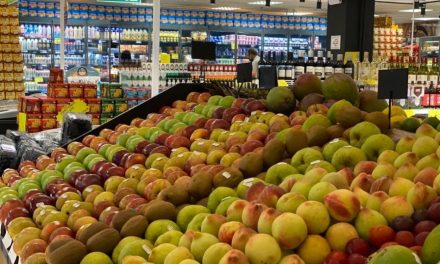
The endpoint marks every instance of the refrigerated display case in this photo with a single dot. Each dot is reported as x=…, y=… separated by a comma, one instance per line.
x=429, y=47
x=246, y=41
x=74, y=49
x=226, y=46
x=276, y=46
x=187, y=36
x=135, y=40
x=169, y=42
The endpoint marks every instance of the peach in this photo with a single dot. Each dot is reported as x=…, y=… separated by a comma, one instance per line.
x=381, y=184
x=233, y=256
x=241, y=237
x=420, y=196
x=387, y=156
x=383, y=169
x=343, y=205
x=364, y=166
x=363, y=181
x=289, y=202
x=289, y=238
x=431, y=160
x=235, y=210
x=407, y=171
x=315, y=215
x=270, y=195
x=407, y=157
x=436, y=184
x=426, y=176
x=263, y=248
x=405, y=144
x=251, y=214
x=339, y=234
x=337, y=179
x=367, y=219
x=32, y=247
x=227, y=231
x=400, y=186
x=314, y=250
x=396, y=206
x=266, y=219
x=375, y=200
x=153, y=189
x=212, y=223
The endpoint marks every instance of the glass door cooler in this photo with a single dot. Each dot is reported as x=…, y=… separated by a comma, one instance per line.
x=187, y=37
x=74, y=49
x=136, y=41
x=244, y=43
x=169, y=42
x=226, y=46
x=275, y=47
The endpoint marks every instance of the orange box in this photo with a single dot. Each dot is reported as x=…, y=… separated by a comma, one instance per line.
x=94, y=105
x=33, y=121
x=95, y=119
x=48, y=105
x=58, y=90
x=61, y=102
x=48, y=122
x=90, y=91
x=76, y=91
x=30, y=105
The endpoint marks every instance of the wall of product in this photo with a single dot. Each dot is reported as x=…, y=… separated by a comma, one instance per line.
x=11, y=60
x=92, y=40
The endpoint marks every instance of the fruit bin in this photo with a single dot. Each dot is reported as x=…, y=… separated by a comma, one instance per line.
x=216, y=178
x=152, y=105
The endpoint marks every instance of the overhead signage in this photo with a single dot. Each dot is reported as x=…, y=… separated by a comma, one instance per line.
x=122, y=1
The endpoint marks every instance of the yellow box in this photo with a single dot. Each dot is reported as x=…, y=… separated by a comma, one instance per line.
x=9, y=76
x=19, y=86
x=9, y=95
x=2, y=86
x=2, y=96
x=9, y=87
x=2, y=78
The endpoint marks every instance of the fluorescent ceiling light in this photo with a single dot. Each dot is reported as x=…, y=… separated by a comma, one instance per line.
x=299, y=13
x=264, y=3
x=426, y=19
x=376, y=15
x=225, y=8
x=413, y=10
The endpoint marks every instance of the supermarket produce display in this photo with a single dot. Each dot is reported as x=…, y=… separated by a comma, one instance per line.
x=309, y=175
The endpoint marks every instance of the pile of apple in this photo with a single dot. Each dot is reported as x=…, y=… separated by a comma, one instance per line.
x=221, y=180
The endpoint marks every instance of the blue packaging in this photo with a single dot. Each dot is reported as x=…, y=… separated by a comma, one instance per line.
x=210, y=14
x=323, y=27
x=109, y=16
x=250, y=16
x=57, y=13
x=297, y=19
x=322, y=20
x=141, y=11
x=285, y=19
x=291, y=25
x=125, y=10
x=41, y=5
x=179, y=20
x=32, y=4
x=109, y=10
x=217, y=15
x=223, y=22
x=117, y=10
x=100, y=15
x=202, y=14
x=317, y=27
x=304, y=19
x=230, y=15
x=133, y=11
x=257, y=23
x=140, y=18
x=237, y=16
x=82, y=7
x=278, y=18
x=303, y=26
x=250, y=23
x=278, y=25
x=92, y=8
x=93, y=15
x=100, y=8
x=245, y=17
x=186, y=13
x=50, y=5
x=57, y=6
x=41, y=12
x=195, y=14
x=125, y=17
x=179, y=13
x=187, y=21
x=148, y=18
x=172, y=13
x=285, y=25
x=163, y=19
x=133, y=18
x=230, y=22
x=216, y=22
x=24, y=11
x=245, y=23
x=84, y=14
x=237, y=23
x=74, y=7
x=148, y=11
x=315, y=19
x=209, y=21
x=309, y=26
x=172, y=20
x=50, y=13
x=194, y=21
x=291, y=19
x=201, y=21
x=271, y=18
x=164, y=12
x=297, y=26
x=76, y=15
x=271, y=25
x=264, y=24
x=23, y=4
x=32, y=12
x=309, y=19
x=257, y=17
x=117, y=17
x=223, y=15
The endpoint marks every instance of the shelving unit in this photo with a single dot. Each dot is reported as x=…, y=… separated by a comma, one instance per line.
x=429, y=47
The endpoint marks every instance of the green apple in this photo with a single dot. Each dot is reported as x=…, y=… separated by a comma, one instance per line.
x=159, y=227
x=244, y=186
x=112, y=150
x=331, y=113
x=94, y=161
x=331, y=147
x=347, y=156
x=200, y=243
x=226, y=101
x=133, y=141
x=196, y=222
x=160, y=252
x=74, y=164
x=83, y=153
x=7, y=197
x=218, y=195
x=169, y=124
x=302, y=159
x=47, y=173
x=175, y=127
x=187, y=213
x=177, y=255
x=424, y=146
x=151, y=131
x=24, y=188
x=376, y=144
x=180, y=115
x=215, y=99
x=142, y=131
x=47, y=180
x=96, y=257
x=215, y=252
x=225, y=203
x=169, y=237
x=140, y=248
x=122, y=139
x=87, y=159
x=121, y=245
x=360, y=132
x=64, y=162
x=277, y=172
x=155, y=135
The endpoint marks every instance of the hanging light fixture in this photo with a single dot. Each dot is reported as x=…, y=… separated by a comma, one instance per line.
x=423, y=9
x=319, y=4
x=302, y=1
x=212, y=2
x=416, y=4
x=267, y=2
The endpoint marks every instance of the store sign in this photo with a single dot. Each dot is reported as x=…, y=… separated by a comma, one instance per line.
x=335, y=42
x=122, y=1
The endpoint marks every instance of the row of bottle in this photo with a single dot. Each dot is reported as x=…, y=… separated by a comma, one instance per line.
x=30, y=44
x=31, y=73
x=35, y=31
x=36, y=59
x=421, y=72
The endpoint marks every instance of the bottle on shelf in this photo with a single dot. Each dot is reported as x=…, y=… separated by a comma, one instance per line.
x=364, y=69
x=339, y=65
x=349, y=67
x=374, y=69
x=282, y=68
x=434, y=71
x=412, y=71
x=310, y=66
x=422, y=73
x=300, y=65
x=329, y=65
x=319, y=66
x=289, y=66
